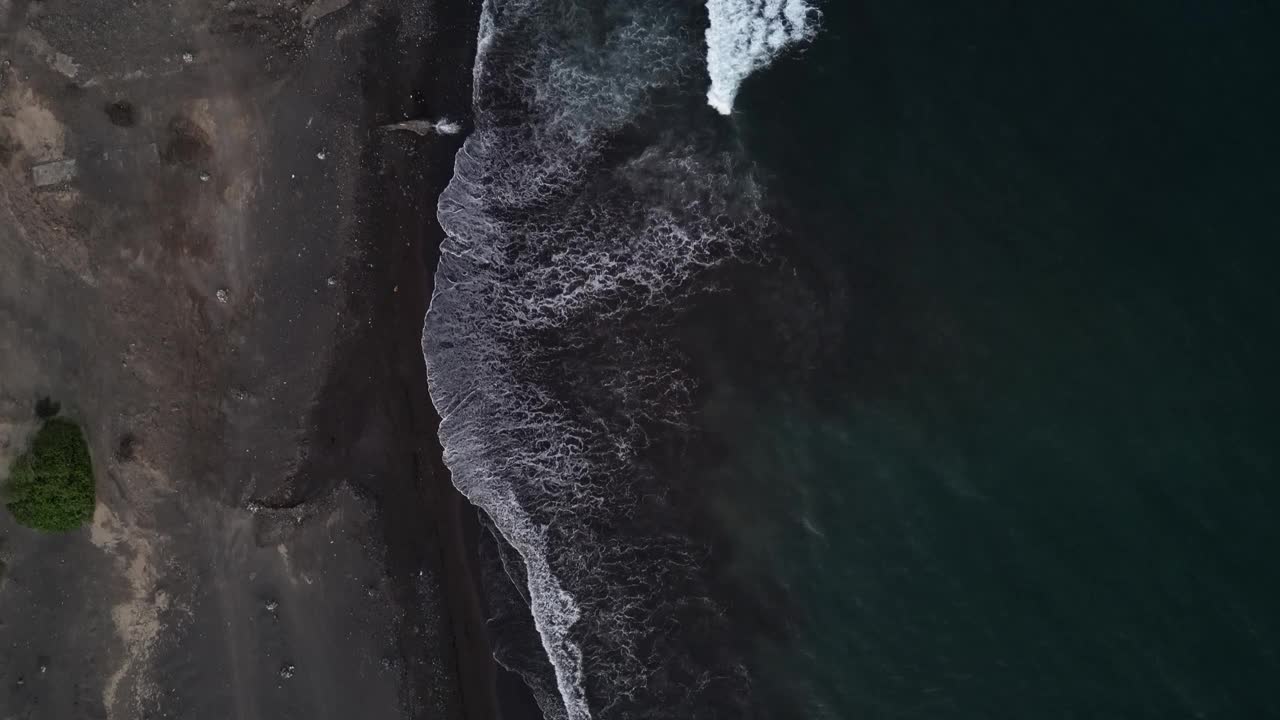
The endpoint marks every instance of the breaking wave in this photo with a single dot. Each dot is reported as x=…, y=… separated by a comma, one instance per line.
x=745, y=36
x=575, y=220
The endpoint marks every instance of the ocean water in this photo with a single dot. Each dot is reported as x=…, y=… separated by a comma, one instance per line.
x=876, y=359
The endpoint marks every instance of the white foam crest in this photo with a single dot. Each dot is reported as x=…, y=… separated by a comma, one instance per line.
x=745, y=36
x=554, y=610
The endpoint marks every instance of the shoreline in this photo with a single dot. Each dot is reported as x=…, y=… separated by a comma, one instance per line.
x=405, y=173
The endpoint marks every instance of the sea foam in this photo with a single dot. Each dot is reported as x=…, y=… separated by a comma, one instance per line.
x=745, y=36
x=553, y=246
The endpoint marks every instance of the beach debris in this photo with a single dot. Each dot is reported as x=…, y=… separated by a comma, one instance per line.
x=188, y=58
x=320, y=155
x=331, y=281
x=204, y=176
x=222, y=295
x=54, y=173
x=271, y=605
x=443, y=126
x=286, y=670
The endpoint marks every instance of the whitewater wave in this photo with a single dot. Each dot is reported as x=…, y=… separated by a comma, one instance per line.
x=745, y=36
x=571, y=229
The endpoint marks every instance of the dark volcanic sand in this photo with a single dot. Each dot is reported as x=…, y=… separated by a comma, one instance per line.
x=281, y=540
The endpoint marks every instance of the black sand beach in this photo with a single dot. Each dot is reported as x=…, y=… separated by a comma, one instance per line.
x=228, y=295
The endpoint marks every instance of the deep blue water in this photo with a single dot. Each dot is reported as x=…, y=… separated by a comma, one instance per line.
x=997, y=428
x=937, y=380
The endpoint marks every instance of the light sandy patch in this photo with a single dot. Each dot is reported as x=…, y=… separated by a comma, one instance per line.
x=14, y=438
x=137, y=617
x=30, y=133
x=200, y=112
x=27, y=123
x=284, y=558
x=40, y=47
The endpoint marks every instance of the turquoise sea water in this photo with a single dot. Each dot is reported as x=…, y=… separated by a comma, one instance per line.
x=1000, y=430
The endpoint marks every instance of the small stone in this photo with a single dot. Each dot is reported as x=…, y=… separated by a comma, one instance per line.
x=222, y=296
x=320, y=155
x=331, y=281
x=286, y=671
x=204, y=176
x=188, y=58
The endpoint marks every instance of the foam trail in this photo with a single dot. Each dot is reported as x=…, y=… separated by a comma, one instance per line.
x=745, y=36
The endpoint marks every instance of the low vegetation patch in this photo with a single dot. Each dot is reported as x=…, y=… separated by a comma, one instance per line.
x=50, y=486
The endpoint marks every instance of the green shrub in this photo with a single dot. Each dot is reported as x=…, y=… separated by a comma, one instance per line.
x=50, y=486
